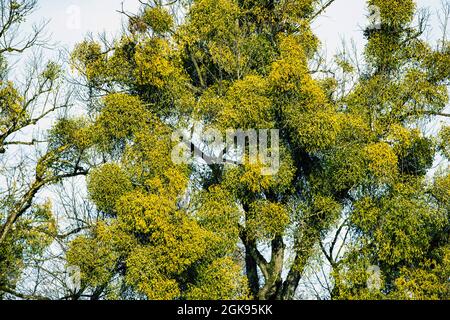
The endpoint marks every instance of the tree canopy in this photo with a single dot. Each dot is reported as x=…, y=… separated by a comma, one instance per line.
x=354, y=191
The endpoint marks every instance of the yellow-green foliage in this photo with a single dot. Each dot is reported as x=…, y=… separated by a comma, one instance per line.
x=421, y=284
x=147, y=64
x=403, y=224
x=156, y=240
x=95, y=259
x=267, y=220
x=397, y=230
x=324, y=211
x=51, y=72
x=106, y=185
x=297, y=9
x=345, y=169
x=441, y=189
x=351, y=282
x=444, y=144
x=395, y=12
x=32, y=235
x=438, y=63
x=215, y=22
x=316, y=130
x=88, y=59
x=76, y=132
x=176, y=231
x=246, y=105
x=39, y=227
x=381, y=160
x=122, y=116
x=158, y=19
x=70, y=141
x=153, y=65
x=399, y=221
x=226, y=272
x=244, y=181
x=216, y=213
x=10, y=106
x=213, y=18
x=287, y=73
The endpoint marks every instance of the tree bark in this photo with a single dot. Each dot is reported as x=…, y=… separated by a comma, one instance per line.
x=252, y=271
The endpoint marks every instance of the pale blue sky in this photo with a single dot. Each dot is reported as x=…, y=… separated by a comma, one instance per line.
x=343, y=19
x=71, y=20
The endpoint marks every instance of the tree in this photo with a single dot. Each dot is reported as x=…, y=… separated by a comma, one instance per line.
x=352, y=183
x=400, y=220
x=27, y=226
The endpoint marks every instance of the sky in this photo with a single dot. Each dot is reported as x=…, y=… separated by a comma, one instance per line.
x=71, y=20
